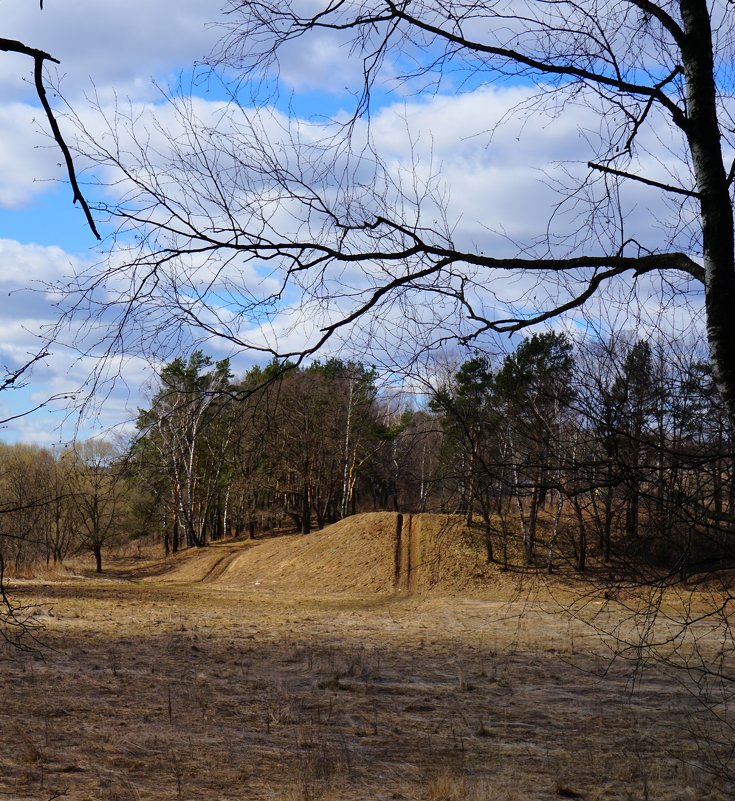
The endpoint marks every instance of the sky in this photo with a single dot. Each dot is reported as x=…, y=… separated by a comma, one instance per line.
x=499, y=178
x=118, y=48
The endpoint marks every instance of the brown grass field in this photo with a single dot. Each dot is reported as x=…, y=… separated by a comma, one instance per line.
x=346, y=665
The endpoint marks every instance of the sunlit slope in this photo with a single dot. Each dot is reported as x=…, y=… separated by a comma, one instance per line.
x=366, y=554
x=356, y=555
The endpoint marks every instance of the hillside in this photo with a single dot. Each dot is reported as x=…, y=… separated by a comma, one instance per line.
x=372, y=553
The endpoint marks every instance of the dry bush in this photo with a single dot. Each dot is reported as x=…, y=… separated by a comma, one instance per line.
x=450, y=787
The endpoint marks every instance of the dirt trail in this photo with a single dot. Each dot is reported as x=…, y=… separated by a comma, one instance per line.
x=408, y=554
x=189, y=566
x=222, y=561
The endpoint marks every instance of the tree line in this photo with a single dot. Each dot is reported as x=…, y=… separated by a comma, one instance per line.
x=58, y=502
x=556, y=452
x=623, y=448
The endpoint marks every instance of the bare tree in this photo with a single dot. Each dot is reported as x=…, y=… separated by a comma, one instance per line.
x=28, y=496
x=240, y=201
x=99, y=492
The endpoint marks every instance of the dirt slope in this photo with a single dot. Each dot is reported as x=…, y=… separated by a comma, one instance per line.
x=366, y=554
x=354, y=555
x=439, y=552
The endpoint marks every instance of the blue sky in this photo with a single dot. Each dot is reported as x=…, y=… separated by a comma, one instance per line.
x=499, y=180
x=111, y=47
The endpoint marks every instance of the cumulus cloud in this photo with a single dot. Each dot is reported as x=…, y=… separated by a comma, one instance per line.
x=505, y=164
x=29, y=159
x=28, y=266
x=488, y=165
x=494, y=164
x=120, y=44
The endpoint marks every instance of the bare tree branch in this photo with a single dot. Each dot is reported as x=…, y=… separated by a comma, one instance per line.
x=39, y=58
x=647, y=181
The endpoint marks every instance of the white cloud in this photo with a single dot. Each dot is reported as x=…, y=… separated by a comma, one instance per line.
x=491, y=149
x=115, y=43
x=23, y=266
x=29, y=159
x=496, y=162
x=503, y=162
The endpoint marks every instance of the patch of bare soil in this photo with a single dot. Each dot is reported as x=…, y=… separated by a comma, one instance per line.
x=230, y=677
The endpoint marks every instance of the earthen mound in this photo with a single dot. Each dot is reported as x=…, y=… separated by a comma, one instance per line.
x=373, y=553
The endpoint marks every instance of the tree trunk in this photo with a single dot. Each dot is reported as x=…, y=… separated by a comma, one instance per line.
x=607, y=528
x=702, y=130
x=471, y=489
x=582, y=542
x=554, y=532
x=533, y=523
x=488, y=540
x=306, y=513
x=631, y=513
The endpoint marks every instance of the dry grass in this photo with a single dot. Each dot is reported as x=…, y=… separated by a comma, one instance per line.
x=195, y=683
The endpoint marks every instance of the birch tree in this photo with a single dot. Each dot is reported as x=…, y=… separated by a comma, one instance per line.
x=534, y=389
x=178, y=440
